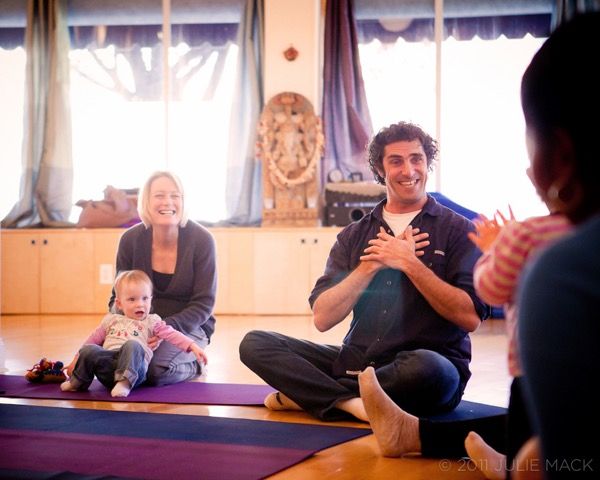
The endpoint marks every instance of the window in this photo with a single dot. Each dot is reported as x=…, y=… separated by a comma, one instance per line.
x=122, y=129
x=484, y=157
x=12, y=89
x=119, y=116
x=482, y=141
x=400, y=82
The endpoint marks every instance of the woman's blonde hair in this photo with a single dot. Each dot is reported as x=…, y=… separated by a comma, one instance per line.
x=144, y=197
x=131, y=276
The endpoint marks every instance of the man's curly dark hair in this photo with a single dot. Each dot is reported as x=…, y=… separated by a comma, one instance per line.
x=399, y=132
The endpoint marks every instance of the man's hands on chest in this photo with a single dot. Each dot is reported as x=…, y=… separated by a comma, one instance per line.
x=402, y=253
x=399, y=252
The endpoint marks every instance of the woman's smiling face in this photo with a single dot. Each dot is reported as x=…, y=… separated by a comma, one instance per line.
x=166, y=202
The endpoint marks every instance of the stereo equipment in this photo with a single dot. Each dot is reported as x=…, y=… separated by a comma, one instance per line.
x=347, y=202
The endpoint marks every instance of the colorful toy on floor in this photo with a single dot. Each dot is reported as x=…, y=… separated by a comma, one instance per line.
x=46, y=372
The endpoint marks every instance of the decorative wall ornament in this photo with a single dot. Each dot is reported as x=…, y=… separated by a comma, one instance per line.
x=291, y=54
x=290, y=146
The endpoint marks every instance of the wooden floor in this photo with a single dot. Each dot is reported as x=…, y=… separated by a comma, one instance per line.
x=29, y=338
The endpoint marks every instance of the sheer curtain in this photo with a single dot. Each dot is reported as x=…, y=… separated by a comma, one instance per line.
x=346, y=119
x=46, y=179
x=243, y=188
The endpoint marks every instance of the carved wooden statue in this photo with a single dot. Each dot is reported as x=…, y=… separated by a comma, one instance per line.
x=290, y=145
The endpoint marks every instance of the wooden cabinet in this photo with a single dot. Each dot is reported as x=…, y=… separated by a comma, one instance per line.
x=287, y=264
x=47, y=272
x=20, y=273
x=259, y=270
x=57, y=271
x=269, y=271
x=234, y=270
x=61, y=252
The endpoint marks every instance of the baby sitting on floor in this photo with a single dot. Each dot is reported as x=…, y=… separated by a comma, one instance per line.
x=117, y=352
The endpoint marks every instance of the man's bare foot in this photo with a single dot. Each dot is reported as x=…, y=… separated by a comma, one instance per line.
x=396, y=431
x=491, y=463
x=278, y=401
x=354, y=406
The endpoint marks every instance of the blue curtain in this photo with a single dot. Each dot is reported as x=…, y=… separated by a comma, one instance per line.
x=243, y=189
x=346, y=120
x=47, y=175
x=487, y=28
x=564, y=10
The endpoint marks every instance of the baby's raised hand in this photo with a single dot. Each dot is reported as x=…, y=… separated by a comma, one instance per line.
x=487, y=230
x=200, y=355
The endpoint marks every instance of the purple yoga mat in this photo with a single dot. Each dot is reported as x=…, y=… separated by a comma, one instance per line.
x=50, y=442
x=98, y=455
x=185, y=392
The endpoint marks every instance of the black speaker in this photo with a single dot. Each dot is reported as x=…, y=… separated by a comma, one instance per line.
x=347, y=202
x=340, y=216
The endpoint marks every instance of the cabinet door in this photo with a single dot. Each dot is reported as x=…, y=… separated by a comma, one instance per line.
x=235, y=271
x=67, y=272
x=320, y=245
x=20, y=273
x=281, y=272
x=287, y=265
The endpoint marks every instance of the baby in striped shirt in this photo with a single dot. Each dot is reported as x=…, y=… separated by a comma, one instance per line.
x=507, y=245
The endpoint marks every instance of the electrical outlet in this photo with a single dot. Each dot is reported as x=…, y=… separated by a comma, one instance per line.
x=106, y=274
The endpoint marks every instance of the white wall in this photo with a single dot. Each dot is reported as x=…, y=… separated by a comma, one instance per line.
x=296, y=23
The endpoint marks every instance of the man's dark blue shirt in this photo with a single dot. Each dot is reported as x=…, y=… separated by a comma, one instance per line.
x=392, y=315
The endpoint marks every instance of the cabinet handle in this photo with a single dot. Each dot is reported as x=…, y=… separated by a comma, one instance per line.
x=45, y=241
x=315, y=241
x=33, y=242
x=303, y=241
